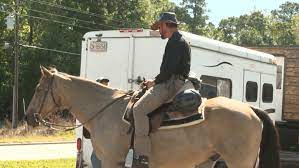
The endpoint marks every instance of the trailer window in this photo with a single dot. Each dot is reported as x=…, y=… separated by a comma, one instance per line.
x=224, y=87
x=214, y=86
x=267, y=93
x=279, y=77
x=251, y=91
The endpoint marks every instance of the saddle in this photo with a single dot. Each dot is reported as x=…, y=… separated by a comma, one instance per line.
x=181, y=109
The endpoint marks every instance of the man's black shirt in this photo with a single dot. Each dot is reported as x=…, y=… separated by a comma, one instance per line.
x=176, y=59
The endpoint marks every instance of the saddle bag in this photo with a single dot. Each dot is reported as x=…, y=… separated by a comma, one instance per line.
x=186, y=101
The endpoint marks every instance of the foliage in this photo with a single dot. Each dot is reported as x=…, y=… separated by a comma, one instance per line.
x=194, y=15
x=296, y=28
x=6, y=65
x=59, y=163
x=258, y=29
x=26, y=134
x=245, y=30
x=60, y=25
x=286, y=11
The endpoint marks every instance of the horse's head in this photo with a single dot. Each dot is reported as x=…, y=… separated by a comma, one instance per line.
x=44, y=101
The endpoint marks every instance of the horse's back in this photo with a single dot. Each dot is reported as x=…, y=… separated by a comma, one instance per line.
x=234, y=124
x=222, y=112
x=228, y=107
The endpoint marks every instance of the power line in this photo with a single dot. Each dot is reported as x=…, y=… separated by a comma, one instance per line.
x=65, y=8
x=56, y=21
x=74, y=10
x=70, y=9
x=74, y=19
x=48, y=49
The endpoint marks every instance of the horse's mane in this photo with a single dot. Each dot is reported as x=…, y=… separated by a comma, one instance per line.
x=91, y=82
x=55, y=71
x=52, y=69
x=65, y=75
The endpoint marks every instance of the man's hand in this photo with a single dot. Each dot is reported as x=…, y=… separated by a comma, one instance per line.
x=149, y=83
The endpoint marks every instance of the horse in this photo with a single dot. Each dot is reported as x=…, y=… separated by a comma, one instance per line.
x=242, y=135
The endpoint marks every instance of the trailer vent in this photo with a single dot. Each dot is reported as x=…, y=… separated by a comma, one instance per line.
x=129, y=30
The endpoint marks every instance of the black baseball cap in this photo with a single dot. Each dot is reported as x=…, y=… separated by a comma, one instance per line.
x=168, y=17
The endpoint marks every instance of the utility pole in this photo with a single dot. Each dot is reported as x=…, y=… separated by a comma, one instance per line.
x=16, y=69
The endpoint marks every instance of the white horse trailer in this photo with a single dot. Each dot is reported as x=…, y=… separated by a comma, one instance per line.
x=124, y=56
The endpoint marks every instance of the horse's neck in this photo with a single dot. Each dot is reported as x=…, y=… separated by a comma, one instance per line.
x=84, y=98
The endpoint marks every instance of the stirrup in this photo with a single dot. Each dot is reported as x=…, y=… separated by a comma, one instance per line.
x=141, y=162
x=129, y=159
x=134, y=161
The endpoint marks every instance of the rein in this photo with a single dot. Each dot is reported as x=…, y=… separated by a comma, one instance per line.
x=45, y=96
x=38, y=117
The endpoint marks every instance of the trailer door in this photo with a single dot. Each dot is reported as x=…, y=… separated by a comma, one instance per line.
x=267, y=101
x=109, y=58
x=251, y=88
x=148, y=54
x=278, y=89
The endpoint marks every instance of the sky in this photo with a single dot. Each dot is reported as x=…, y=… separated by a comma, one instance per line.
x=219, y=9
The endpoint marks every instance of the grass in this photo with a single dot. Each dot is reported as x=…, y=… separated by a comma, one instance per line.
x=58, y=137
x=55, y=163
x=24, y=134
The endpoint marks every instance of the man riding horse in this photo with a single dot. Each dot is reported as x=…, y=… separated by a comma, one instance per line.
x=174, y=70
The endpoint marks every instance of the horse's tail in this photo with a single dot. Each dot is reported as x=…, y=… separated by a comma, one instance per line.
x=269, y=147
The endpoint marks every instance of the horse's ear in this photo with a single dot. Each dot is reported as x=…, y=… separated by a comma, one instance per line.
x=45, y=71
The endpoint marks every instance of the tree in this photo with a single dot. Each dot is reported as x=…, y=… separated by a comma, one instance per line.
x=6, y=62
x=257, y=29
x=286, y=12
x=227, y=28
x=282, y=23
x=60, y=25
x=196, y=20
x=296, y=28
x=246, y=30
x=211, y=31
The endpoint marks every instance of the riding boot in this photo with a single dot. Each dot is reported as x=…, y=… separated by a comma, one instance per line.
x=140, y=162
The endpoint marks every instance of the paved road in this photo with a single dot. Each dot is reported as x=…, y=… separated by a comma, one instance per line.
x=37, y=151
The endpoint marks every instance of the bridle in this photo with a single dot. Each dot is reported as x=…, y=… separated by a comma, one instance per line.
x=38, y=118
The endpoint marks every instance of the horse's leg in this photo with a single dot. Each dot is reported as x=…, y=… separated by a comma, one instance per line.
x=241, y=157
x=244, y=164
x=241, y=151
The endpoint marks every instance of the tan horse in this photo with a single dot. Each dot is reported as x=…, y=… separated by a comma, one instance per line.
x=230, y=128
